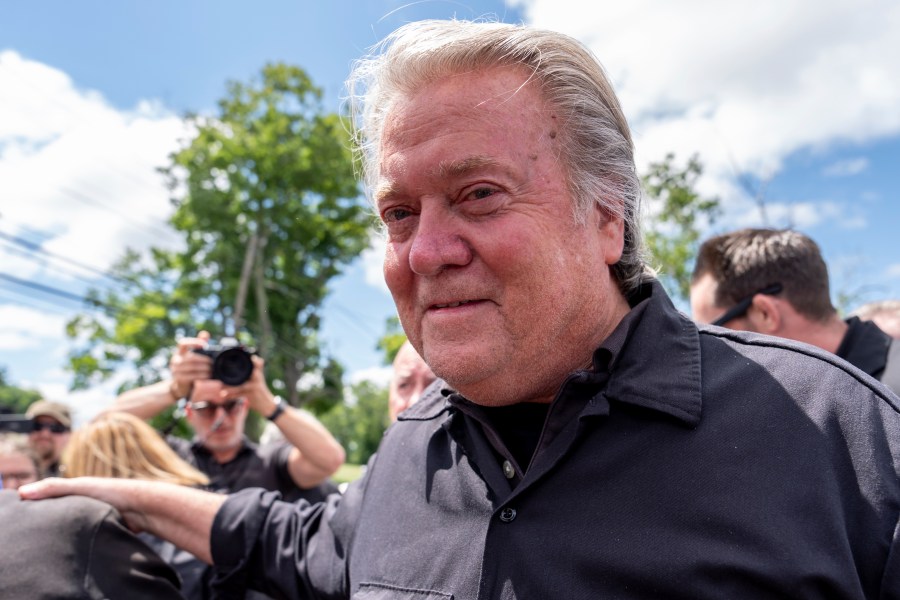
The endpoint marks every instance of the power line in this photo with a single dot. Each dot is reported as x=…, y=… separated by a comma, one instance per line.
x=56, y=307
x=127, y=218
x=50, y=290
x=34, y=249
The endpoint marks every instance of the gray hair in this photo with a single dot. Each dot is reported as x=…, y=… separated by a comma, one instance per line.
x=868, y=311
x=596, y=143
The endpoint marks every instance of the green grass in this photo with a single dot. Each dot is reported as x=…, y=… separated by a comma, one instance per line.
x=347, y=473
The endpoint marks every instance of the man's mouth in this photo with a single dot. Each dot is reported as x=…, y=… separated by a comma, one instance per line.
x=453, y=304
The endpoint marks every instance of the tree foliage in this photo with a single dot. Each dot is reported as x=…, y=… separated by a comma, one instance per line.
x=269, y=210
x=675, y=217
x=359, y=424
x=393, y=338
x=15, y=400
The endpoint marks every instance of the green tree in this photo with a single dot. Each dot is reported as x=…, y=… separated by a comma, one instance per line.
x=675, y=216
x=14, y=399
x=392, y=339
x=359, y=423
x=270, y=211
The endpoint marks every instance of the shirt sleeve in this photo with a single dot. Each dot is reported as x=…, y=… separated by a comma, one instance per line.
x=287, y=550
x=122, y=566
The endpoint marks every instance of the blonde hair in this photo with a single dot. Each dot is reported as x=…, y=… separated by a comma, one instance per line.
x=121, y=445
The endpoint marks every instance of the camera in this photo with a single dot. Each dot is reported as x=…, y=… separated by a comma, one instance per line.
x=16, y=423
x=232, y=362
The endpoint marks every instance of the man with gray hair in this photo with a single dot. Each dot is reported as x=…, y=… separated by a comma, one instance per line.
x=589, y=441
x=884, y=313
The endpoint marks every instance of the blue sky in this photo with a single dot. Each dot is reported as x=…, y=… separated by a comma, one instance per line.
x=802, y=96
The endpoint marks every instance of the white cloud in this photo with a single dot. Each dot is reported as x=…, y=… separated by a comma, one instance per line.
x=77, y=170
x=378, y=375
x=846, y=168
x=743, y=85
x=25, y=327
x=79, y=180
x=893, y=271
x=802, y=215
x=373, y=259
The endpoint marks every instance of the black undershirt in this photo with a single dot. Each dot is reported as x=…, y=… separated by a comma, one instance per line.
x=519, y=426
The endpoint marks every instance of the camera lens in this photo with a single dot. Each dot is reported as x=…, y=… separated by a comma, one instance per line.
x=232, y=366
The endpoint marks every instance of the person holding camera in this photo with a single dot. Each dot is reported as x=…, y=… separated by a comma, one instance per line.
x=218, y=402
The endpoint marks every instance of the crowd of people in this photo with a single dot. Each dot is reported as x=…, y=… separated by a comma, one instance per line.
x=119, y=443
x=559, y=429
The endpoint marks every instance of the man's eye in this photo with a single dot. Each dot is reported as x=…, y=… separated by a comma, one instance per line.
x=481, y=193
x=392, y=215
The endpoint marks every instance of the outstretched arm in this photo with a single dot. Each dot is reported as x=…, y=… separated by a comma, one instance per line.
x=181, y=515
x=316, y=455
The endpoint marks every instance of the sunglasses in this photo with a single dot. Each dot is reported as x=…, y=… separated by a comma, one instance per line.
x=741, y=308
x=208, y=409
x=53, y=427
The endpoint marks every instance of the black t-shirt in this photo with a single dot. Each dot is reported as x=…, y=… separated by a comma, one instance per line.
x=254, y=466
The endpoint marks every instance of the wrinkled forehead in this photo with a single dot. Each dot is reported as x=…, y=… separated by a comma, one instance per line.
x=205, y=389
x=16, y=460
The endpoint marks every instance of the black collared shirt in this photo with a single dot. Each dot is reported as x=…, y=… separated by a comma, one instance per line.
x=254, y=466
x=686, y=463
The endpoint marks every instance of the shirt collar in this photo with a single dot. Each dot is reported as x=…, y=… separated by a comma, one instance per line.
x=651, y=359
x=657, y=362
x=865, y=346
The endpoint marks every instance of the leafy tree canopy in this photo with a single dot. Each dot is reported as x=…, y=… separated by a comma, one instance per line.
x=15, y=400
x=270, y=211
x=675, y=217
x=359, y=423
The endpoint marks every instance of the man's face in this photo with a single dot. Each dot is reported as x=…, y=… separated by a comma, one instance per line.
x=497, y=286
x=46, y=443
x=704, y=308
x=221, y=430
x=411, y=377
x=16, y=470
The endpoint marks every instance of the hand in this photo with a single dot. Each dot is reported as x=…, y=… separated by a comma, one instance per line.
x=187, y=366
x=118, y=492
x=255, y=389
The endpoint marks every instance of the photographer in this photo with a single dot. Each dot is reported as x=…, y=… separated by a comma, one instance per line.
x=217, y=412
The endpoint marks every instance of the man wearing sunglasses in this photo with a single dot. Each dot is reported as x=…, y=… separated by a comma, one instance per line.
x=51, y=425
x=776, y=282
x=298, y=468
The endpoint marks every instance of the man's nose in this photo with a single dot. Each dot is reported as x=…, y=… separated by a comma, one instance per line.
x=437, y=243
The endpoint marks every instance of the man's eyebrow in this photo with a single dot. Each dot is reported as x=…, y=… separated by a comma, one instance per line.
x=382, y=191
x=461, y=167
x=454, y=168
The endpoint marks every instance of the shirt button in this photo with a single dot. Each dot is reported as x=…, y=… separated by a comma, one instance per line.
x=507, y=515
x=508, y=469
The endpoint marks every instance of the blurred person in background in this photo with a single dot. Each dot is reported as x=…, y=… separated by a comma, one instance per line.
x=884, y=313
x=76, y=547
x=121, y=445
x=299, y=467
x=775, y=281
x=18, y=462
x=51, y=426
x=410, y=378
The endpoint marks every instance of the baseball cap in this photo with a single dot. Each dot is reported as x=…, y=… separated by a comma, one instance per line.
x=55, y=410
